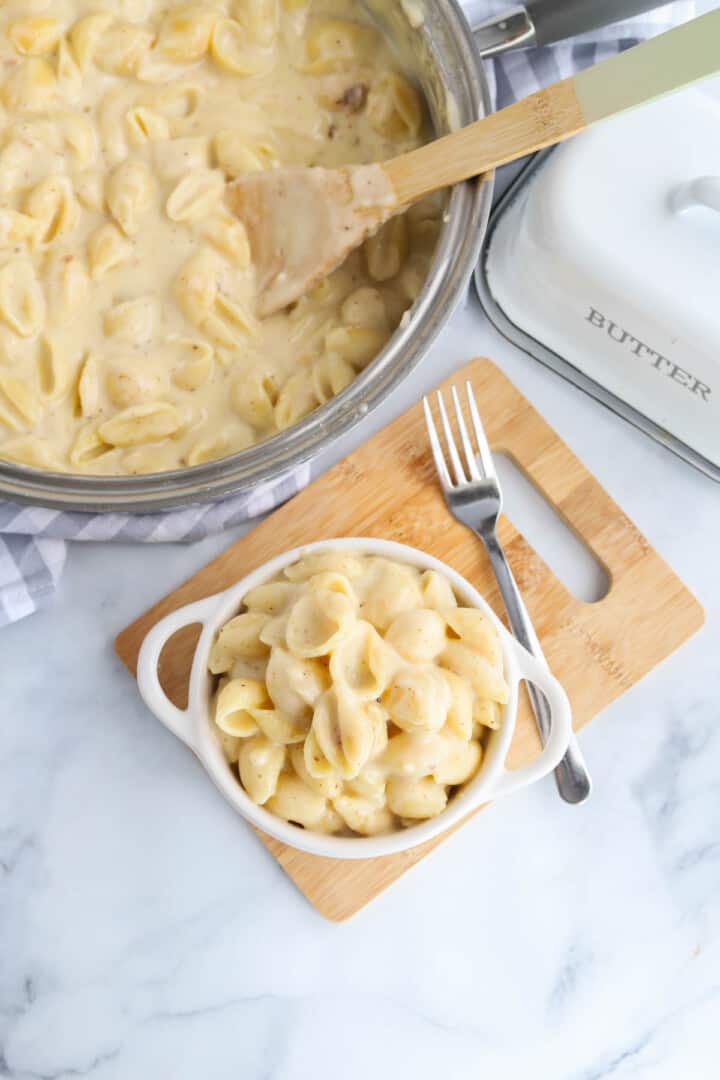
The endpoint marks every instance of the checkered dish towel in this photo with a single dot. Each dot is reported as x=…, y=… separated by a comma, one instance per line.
x=33, y=541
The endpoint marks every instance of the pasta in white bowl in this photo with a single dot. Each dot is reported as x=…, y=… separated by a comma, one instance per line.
x=353, y=697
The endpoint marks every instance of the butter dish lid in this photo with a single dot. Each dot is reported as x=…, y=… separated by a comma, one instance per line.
x=603, y=261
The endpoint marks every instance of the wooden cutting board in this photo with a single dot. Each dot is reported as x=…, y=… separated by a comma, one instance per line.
x=387, y=488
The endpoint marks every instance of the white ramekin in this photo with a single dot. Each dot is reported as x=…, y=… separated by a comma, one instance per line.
x=194, y=727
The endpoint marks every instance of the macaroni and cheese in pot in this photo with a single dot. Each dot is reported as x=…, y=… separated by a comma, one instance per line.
x=129, y=335
x=355, y=693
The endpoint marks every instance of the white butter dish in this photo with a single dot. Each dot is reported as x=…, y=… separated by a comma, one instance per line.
x=603, y=261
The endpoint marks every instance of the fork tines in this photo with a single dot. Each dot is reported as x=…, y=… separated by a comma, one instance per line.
x=478, y=463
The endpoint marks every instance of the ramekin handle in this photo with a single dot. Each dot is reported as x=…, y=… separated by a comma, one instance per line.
x=560, y=727
x=179, y=721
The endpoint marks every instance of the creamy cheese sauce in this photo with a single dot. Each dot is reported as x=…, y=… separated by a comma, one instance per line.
x=413, y=13
x=130, y=332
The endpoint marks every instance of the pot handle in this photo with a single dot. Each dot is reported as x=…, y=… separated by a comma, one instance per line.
x=560, y=733
x=179, y=721
x=555, y=20
x=543, y=22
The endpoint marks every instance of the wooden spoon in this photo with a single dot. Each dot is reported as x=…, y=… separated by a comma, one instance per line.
x=303, y=222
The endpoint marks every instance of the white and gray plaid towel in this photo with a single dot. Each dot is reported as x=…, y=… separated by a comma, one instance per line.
x=33, y=540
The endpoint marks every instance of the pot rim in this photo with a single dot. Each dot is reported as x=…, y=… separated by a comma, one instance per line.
x=269, y=461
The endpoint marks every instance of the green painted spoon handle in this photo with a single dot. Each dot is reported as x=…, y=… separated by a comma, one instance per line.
x=659, y=66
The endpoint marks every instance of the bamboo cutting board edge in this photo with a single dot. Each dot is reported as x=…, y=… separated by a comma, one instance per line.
x=596, y=665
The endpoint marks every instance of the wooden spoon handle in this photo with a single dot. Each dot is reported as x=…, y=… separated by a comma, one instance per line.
x=659, y=66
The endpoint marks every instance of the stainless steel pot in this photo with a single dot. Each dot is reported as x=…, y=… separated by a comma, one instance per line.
x=445, y=52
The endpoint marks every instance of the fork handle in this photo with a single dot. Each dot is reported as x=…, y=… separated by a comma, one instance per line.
x=571, y=775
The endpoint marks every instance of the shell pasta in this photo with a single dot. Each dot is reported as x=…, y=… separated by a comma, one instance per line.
x=119, y=258
x=354, y=693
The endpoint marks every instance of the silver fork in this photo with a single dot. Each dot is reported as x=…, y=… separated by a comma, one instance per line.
x=474, y=498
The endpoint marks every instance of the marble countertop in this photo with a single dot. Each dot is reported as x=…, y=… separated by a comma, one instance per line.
x=145, y=934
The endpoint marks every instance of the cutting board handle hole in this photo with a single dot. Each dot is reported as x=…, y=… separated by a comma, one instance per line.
x=564, y=551
x=175, y=676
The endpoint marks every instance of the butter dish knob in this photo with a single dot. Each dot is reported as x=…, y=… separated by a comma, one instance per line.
x=702, y=191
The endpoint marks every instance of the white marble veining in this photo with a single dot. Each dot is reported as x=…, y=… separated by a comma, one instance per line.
x=145, y=934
